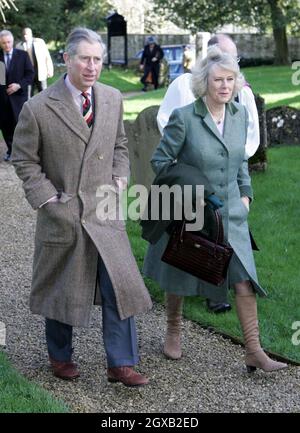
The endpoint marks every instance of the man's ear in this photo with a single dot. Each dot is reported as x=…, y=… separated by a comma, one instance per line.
x=66, y=58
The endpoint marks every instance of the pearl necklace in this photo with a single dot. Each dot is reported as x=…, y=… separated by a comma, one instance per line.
x=218, y=119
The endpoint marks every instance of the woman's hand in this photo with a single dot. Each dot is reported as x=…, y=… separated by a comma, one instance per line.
x=246, y=201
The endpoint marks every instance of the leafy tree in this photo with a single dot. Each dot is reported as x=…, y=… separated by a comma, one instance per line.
x=204, y=15
x=53, y=20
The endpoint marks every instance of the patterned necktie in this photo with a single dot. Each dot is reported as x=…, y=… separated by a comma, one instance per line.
x=7, y=61
x=87, y=109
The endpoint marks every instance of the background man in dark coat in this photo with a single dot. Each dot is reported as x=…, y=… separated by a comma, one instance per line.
x=14, y=87
x=150, y=63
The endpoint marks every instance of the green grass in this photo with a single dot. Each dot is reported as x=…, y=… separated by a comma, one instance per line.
x=274, y=221
x=274, y=84
x=126, y=80
x=134, y=105
x=18, y=395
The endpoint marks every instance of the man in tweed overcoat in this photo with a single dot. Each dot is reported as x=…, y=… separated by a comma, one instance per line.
x=68, y=144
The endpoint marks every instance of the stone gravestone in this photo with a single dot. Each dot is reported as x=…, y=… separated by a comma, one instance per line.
x=258, y=161
x=283, y=126
x=143, y=138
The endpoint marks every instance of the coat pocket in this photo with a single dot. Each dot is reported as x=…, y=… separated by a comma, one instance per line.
x=55, y=224
x=109, y=210
x=238, y=212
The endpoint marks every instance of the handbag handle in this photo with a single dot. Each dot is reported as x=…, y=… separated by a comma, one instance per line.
x=220, y=231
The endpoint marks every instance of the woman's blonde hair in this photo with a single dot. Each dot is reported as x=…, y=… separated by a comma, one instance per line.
x=202, y=68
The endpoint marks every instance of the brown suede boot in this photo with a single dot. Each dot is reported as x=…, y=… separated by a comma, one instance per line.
x=172, y=347
x=255, y=356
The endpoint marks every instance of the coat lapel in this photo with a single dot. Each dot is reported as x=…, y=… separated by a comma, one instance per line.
x=101, y=118
x=61, y=102
x=229, y=124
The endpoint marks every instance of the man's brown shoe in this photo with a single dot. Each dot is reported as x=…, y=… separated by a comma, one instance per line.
x=64, y=369
x=127, y=376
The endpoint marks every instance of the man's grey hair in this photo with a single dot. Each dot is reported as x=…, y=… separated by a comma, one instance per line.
x=80, y=34
x=215, y=40
x=202, y=68
x=6, y=33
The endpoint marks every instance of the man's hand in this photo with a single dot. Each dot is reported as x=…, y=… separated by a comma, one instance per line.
x=12, y=88
x=141, y=67
x=121, y=182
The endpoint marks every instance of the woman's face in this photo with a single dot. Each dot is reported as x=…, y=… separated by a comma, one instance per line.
x=220, y=85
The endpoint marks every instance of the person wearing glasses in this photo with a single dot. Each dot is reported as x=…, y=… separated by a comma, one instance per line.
x=180, y=94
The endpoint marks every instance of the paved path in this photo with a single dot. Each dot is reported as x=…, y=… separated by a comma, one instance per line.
x=127, y=95
x=209, y=378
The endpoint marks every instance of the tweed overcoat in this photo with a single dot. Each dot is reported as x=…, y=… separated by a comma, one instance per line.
x=54, y=151
x=191, y=137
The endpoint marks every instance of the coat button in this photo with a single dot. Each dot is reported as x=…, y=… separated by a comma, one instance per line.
x=222, y=169
x=100, y=156
x=83, y=221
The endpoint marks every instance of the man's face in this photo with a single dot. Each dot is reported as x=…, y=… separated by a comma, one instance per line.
x=85, y=66
x=27, y=35
x=6, y=43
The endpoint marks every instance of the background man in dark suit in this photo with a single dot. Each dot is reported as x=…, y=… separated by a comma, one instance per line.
x=18, y=75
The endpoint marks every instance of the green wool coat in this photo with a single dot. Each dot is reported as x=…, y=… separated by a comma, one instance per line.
x=192, y=137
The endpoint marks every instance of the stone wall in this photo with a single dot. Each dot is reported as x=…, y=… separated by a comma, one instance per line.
x=258, y=46
x=136, y=43
x=250, y=46
x=253, y=45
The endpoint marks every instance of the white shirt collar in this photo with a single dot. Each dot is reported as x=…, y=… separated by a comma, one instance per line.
x=74, y=91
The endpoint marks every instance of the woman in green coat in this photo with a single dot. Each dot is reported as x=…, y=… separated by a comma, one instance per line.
x=210, y=134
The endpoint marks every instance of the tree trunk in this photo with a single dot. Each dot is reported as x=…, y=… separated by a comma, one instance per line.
x=279, y=33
